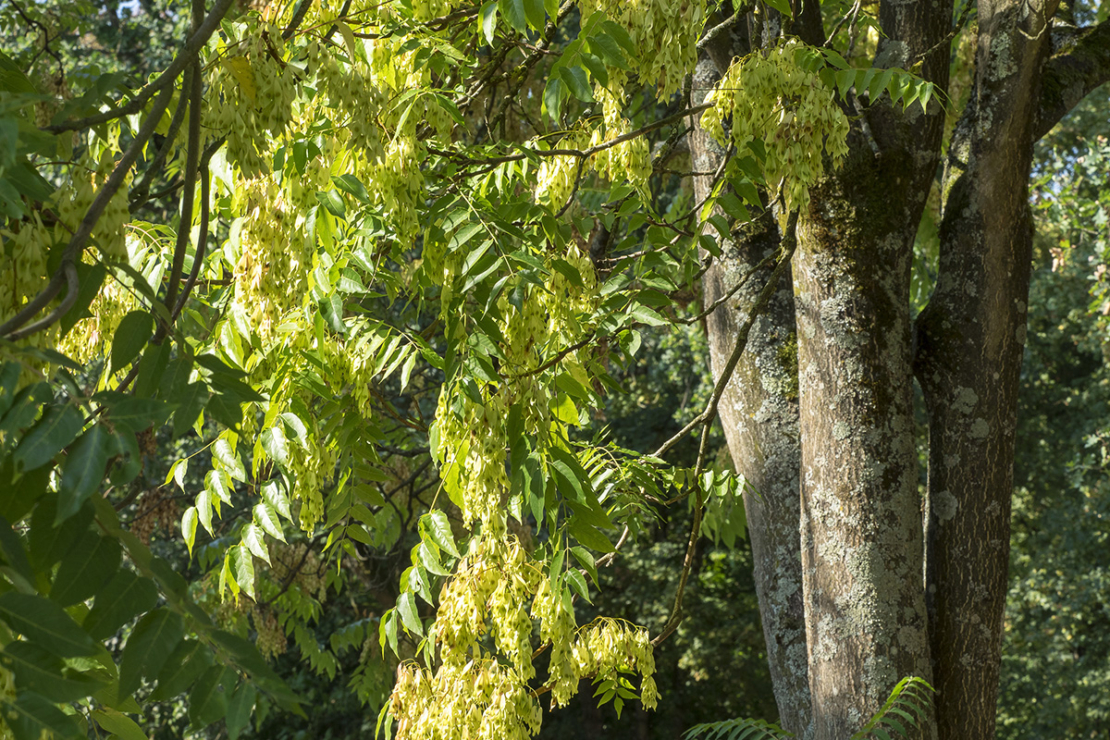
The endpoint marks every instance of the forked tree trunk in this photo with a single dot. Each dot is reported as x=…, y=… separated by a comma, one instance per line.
x=852, y=532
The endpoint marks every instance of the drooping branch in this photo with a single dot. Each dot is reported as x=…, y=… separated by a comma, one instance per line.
x=1072, y=74
x=11, y=329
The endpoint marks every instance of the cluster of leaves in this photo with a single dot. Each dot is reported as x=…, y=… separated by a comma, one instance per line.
x=378, y=234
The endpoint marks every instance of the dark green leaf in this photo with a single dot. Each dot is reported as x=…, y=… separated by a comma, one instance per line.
x=187, y=662
x=590, y=536
x=239, y=708
x=151, y=642
x=132, y=335
x=32, y=717
x=82, y=472
x=125, y=596
x=46, y=624
x=14, y=555
x=85, y=568
x=57, y=428
x=190, y=402
x=534, y=12
x=577, y=82
x=90, y=278
x=207, y=701
x=37, y=670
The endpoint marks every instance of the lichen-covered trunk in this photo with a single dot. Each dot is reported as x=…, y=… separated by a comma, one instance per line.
x=759, y=413
x=970, y=348
x=862, y=538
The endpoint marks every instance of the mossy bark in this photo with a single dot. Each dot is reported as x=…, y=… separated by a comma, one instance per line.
x=971, y=340
x=759, y=413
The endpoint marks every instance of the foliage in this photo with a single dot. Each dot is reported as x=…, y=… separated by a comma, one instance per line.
x=318, y=245
x=901, y=714
x=1055, y=660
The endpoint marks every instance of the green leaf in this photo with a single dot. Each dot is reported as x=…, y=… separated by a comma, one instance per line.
x=255, y=540
x=437, y=527
x=132, y=335
x=119, y=724
x=351, y=184
x=333, y=202
x=275, y=444
x=14, y=555
x=553, y=94
x=125, y=596
x=242, y=568
x=406, y=607
x=590, y=536
x=239, y=708
x=31, y=717
x=513, y=12
x=190, y=402
x=578, y=584
x=267, y=518
x=129, y=414
x=577, y=82
x=186, y=663
x=596, y=67
x=620, y=35
x=229, y=459
x=82, y=472
x=57, y=428
x=207, y=702
x=273, y=493
x=46, y=624
x=487, y=19
x=151, y=642
x=534, y=12
x=189, y=528
x=85, y=569
x=37, y=670
x=782, y=6
x=90, y=278
x=430, y=560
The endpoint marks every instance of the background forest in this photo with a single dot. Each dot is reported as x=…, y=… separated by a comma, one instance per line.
x=315, y=610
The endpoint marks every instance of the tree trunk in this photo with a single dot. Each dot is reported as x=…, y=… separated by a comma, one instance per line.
x=971, y=339
x=884, y=599
x=759, y=413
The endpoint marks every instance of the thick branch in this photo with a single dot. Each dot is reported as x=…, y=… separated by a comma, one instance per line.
x=1069, y=76
x=164, y=80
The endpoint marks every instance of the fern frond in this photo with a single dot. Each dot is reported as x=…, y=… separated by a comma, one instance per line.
x=902, y=712
x=738, y=729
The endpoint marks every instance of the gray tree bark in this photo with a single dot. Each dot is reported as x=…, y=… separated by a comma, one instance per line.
x=829, y=447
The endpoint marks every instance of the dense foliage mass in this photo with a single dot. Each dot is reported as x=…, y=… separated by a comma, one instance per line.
x=324, y=324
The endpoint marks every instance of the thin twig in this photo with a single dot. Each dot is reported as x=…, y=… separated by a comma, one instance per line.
x=789, y=243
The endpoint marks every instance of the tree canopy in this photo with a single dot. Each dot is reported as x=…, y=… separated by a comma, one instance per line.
x=353, y=303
